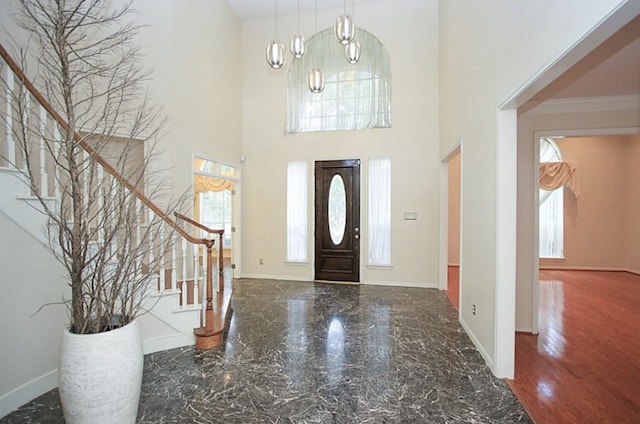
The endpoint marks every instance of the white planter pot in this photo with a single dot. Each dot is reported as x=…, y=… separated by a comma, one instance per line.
x=100, y=376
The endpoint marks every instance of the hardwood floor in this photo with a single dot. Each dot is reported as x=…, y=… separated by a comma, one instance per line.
x=584, y=366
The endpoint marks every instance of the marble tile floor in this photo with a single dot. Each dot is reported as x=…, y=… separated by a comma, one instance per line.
x=322, y=353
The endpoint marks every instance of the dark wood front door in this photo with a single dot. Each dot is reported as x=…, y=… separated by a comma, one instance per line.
x=337, y=220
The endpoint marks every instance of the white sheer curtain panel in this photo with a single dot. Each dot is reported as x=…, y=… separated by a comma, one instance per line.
x=356, y=96
x=297, y=234
x=551, y=212
x=379, y=211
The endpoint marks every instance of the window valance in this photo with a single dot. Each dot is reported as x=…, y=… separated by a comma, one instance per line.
x=554, y=175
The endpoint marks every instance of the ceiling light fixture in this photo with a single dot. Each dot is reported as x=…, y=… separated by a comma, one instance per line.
x=352, y=50
x=298, y=45
x=345, y=28
x=316, y=76
x=275, y=49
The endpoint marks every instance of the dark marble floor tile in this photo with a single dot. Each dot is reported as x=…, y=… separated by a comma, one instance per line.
x=322, y=353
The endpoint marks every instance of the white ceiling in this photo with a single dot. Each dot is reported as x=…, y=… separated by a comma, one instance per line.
x=263, y=9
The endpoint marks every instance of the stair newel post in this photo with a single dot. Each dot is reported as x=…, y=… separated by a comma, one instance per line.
x=208, y=320
x=220, y=263
x=205, y=291
x=183, y=285
x=11, y=146
x=44, y=182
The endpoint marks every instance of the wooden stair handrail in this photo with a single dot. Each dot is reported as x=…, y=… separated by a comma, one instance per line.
x=197, y=224
x=102, y=161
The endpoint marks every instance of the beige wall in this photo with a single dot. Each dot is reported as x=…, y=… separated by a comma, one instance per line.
x=454, y=211
x=595, y=224
x=412, y=144
x=488, y=50
x=633, y=205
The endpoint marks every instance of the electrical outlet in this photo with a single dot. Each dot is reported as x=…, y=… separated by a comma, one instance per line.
x=473, y=311
x=261, y=261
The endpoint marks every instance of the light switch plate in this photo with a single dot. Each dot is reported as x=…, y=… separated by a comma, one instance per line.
x=410, y=216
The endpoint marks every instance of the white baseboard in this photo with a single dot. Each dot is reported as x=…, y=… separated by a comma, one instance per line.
x=11, y=401
x=400, y=284
x=478, y=346
x=277, y=277
x=588, y=268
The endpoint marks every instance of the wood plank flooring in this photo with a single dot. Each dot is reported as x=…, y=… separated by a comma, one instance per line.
x=584, y=366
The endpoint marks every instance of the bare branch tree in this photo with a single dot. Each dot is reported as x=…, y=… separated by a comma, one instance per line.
x=89, y=70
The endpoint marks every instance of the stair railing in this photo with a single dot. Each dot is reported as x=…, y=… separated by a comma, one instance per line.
x=207, y=330
x=175, y=268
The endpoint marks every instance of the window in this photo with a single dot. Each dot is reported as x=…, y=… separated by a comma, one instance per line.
x=215, y=212
x=213, y=184
x=297, y=211
x=551, y=215
x=380, y=211
x=355, y=97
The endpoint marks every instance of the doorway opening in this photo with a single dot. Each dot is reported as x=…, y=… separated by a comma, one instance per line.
x=214, y=203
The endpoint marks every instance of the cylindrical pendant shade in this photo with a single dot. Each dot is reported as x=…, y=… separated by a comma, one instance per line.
x=275, y=54
x=298, y=46
x=316, y=80
x=345, y=29
x=352, y=52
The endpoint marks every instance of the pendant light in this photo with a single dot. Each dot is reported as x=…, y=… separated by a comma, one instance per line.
x=352, y=50
x=275, y=49
x=298, y=44
x=316, y=80
x=316, y=76
x=345, y=28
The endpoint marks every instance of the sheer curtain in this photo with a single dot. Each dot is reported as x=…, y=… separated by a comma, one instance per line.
x=380, y=211
x=551, y=215
x=297, y=234
x=355, y=96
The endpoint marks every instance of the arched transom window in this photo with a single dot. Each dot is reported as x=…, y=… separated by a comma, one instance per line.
x=355, y=97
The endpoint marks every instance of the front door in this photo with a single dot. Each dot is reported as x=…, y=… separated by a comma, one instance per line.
x=337, y=219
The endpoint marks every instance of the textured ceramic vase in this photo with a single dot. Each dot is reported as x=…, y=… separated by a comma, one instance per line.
x=100, y=376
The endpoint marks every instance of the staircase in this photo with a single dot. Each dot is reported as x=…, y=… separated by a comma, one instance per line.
x=187, y=302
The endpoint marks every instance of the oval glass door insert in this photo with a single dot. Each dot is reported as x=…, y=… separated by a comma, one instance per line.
x=337, y=205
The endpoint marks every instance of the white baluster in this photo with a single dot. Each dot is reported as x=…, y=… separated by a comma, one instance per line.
x=183, y=287
x=151, y=242
x=11, y=146
x=138, y=224
x=195, y=274
x=101, y=194
x=25, y=126
x=44, y=181
x=161, y=260
x=56, y=172
x=138, y=221
x=174, y=279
